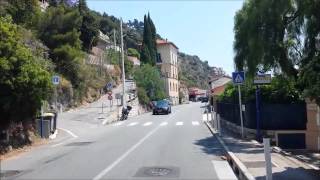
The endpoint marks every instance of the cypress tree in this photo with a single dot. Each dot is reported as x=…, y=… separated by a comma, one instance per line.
x=149, y=51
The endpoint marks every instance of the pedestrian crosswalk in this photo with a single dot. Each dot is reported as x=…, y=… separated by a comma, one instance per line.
x=150, y=123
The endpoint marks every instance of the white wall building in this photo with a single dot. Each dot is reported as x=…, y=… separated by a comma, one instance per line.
x=167, y=60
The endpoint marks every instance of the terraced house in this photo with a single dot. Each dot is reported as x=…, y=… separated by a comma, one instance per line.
x=167, y=60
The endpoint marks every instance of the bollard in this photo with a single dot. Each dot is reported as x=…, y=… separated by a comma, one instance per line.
x=212, y=116
x=219, y=125
x=102, y=108
x=267, y=156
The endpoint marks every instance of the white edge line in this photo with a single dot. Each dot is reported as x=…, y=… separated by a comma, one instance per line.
x=69, y=132
x=111, y=166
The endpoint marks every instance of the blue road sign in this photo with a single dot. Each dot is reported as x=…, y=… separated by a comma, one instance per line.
x=55, y=80
x=109, y=85
x=238, y=77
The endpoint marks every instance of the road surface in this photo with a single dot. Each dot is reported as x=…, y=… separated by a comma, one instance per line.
x=175, y=146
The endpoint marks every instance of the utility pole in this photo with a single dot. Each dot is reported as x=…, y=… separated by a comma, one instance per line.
x=114, y=40
x=123, y=72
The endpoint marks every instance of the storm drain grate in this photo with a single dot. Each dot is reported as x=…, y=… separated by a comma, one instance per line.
x=78, y=144
x=9, y=173
x=162, y=171
x=256, y=164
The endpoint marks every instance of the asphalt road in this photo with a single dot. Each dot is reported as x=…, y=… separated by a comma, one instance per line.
x=175, y=146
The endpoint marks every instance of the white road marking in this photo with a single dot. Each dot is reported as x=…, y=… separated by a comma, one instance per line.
x=223, y=170
x=111, y=166
x=62, y=143
x=195, y=123
x=118, y=123
x=180, y=123
x=69, y=132
x=164, y=124
x=147, y=124
x=133, y=124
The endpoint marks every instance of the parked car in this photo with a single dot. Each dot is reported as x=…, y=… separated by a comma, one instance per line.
x=162, y=107
x=204, y=99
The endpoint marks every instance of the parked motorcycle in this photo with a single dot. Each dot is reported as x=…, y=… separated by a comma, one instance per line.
x=125, y=113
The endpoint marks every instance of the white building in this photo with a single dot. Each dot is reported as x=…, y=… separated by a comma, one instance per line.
x=167, y=60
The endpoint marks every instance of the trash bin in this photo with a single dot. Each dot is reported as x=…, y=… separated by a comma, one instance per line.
x=48, y=124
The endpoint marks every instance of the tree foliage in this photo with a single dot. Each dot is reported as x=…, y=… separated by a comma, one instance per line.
x=59, y=30
x=148, y=78
x=23, y=12
x=24, y=83
x=133, y=52
x=281, y=91
x=149, y=50
x=90, y=26
x=280, y=36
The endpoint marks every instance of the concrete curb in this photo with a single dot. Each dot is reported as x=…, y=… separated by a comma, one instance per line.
x=238, y=167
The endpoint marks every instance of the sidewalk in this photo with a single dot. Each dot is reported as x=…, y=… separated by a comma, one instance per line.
x=247, y=157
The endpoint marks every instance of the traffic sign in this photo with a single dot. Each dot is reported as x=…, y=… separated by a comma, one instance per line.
x=55, y=80
x=110, y=97
x=109, y=85
x=262, y=79
x=238, y=77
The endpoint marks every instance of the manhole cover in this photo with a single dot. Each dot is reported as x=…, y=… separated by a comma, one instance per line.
x=161, y=171
x=78, y=144
x=157, y=171
x=9, y=173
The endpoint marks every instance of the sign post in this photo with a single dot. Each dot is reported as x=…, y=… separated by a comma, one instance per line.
x=260, y=79
x=238, y=78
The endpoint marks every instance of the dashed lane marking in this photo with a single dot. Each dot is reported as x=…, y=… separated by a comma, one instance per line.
x=180, y=123
x=147, y=124
x=195, y=123
x=164, y=124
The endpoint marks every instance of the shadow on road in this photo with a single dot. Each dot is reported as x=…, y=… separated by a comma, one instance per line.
x=210, y=145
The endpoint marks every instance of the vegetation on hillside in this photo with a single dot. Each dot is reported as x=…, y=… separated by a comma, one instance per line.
x=195, y=73
x=24, y=79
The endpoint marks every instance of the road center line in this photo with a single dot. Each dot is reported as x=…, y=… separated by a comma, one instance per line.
x=107, y=169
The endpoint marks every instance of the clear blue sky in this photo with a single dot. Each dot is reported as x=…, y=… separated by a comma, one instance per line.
x=202, y=28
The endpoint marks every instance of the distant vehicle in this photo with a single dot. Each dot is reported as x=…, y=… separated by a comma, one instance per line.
x=200, y=98
x=162, y=106
x=204, y=99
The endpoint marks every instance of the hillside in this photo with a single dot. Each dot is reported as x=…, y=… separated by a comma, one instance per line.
x=195, y=72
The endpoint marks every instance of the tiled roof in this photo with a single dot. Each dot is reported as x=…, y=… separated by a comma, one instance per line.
x=164, y=42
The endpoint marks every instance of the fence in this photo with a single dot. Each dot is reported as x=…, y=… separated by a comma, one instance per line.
x=273, y=116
